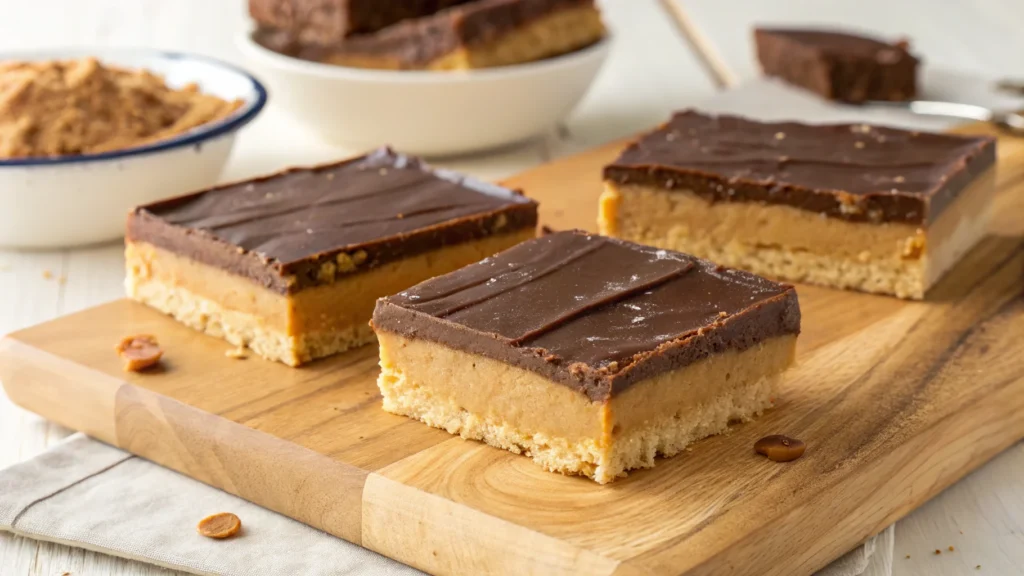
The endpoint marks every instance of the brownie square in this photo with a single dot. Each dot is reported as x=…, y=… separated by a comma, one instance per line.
x=837, y=65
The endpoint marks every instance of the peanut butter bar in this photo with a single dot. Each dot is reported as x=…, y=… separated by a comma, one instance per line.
x=480, y=34
x=589, y=354
x=849, y=206
x=290, y=265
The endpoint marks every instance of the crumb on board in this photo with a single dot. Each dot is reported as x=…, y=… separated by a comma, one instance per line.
x=951, y=549
x=47, y=275
x=908, y=556
x=238, y=353
x=937, y=551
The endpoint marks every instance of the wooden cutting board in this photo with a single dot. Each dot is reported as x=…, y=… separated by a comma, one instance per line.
x=895, y=400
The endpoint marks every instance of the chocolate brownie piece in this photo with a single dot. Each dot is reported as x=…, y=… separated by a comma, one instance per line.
x=837, y=65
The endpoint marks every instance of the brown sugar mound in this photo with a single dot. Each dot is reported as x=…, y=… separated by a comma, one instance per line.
x=58, y=108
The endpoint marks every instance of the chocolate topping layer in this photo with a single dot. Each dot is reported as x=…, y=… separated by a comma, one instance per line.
x=415, y=43
x=280, y=230
x=852, y=172
x=840, y=44
x=327, y=21
x=593, y=313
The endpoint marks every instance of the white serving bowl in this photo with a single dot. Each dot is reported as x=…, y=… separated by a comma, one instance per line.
x=78, y=200
x=427, y=113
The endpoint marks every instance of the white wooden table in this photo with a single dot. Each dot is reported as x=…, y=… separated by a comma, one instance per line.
x=653, y=71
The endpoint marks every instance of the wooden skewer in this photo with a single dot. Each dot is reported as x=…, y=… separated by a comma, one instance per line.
x=702, y=47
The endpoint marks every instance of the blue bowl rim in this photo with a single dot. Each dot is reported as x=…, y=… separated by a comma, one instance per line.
x=189, y=138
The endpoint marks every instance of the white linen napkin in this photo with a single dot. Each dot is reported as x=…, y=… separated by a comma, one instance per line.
x=87, y=494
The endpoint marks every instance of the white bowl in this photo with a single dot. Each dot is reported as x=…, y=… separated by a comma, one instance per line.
x=83, y=199
x=427, y=113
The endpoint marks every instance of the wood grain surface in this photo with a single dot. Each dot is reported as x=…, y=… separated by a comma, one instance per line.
x=895, y=400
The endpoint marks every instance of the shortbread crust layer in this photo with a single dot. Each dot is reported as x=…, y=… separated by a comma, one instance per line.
x=796, y=245
x=563, y=430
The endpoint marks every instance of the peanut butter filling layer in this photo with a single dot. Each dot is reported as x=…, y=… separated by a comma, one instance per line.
x=562, y=429
x=798, y=245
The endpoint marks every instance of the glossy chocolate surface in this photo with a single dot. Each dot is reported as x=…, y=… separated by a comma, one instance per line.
x=594, y=313
x=852, y=172
x=839, y=43
x=384, y=205
x=327, y=21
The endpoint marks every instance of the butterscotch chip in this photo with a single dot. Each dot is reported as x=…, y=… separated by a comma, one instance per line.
x=139, y=352
x=780, y=448
x=219, y=526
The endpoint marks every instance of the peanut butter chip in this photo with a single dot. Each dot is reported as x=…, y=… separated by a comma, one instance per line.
x=914, y=247
x=219, y=526
x=139, y=352
x=780, y=448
